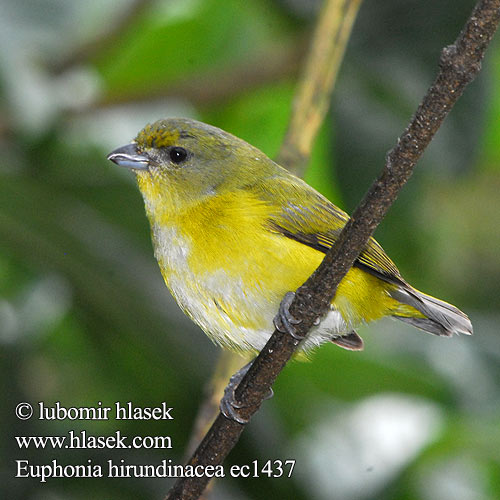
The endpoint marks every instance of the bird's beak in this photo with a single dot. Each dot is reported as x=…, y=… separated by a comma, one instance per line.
x=128, y=156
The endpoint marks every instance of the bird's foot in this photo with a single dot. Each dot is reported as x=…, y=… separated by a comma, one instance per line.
x=228, y=405
x=284, y=321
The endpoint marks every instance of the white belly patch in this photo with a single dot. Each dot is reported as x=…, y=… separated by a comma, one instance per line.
x=209, y=301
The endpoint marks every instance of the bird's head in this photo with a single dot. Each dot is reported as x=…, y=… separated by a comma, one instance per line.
x=180, y=161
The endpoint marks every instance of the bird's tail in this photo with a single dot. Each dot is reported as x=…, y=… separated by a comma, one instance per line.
x=438, y=317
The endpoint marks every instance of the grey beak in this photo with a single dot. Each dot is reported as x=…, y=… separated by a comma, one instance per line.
x=128, y=157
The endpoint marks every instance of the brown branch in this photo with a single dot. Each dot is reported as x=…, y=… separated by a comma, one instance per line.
x=459, y=64
x=316, y=86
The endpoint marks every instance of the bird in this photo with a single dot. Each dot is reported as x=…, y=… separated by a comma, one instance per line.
x=233, y=232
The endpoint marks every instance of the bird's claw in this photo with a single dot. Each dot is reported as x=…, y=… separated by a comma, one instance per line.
x=284, y=321
x=228, y=405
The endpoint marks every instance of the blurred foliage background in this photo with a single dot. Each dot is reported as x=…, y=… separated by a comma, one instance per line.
x=85, y=317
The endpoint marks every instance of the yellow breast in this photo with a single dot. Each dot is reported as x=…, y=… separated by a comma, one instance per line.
x=229, y=272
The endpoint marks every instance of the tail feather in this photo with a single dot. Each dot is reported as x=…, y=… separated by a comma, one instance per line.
x=440, y=318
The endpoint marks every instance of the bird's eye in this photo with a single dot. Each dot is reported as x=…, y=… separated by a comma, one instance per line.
x=178, y=155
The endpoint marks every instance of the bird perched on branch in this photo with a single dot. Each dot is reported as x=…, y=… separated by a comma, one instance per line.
x=233, y=232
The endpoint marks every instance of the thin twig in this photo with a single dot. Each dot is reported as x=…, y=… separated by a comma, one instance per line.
x=313, y=94
x=459, y=65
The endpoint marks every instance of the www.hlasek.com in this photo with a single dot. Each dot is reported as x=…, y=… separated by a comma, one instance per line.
x=119, y=468
x=75, y=440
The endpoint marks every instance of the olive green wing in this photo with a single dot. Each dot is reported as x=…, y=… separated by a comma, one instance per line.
x=306, y=216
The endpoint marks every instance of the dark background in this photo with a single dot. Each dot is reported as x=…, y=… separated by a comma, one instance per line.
x=84, y=314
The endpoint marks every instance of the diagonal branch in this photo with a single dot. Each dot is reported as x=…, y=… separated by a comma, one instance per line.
x=459, y=64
